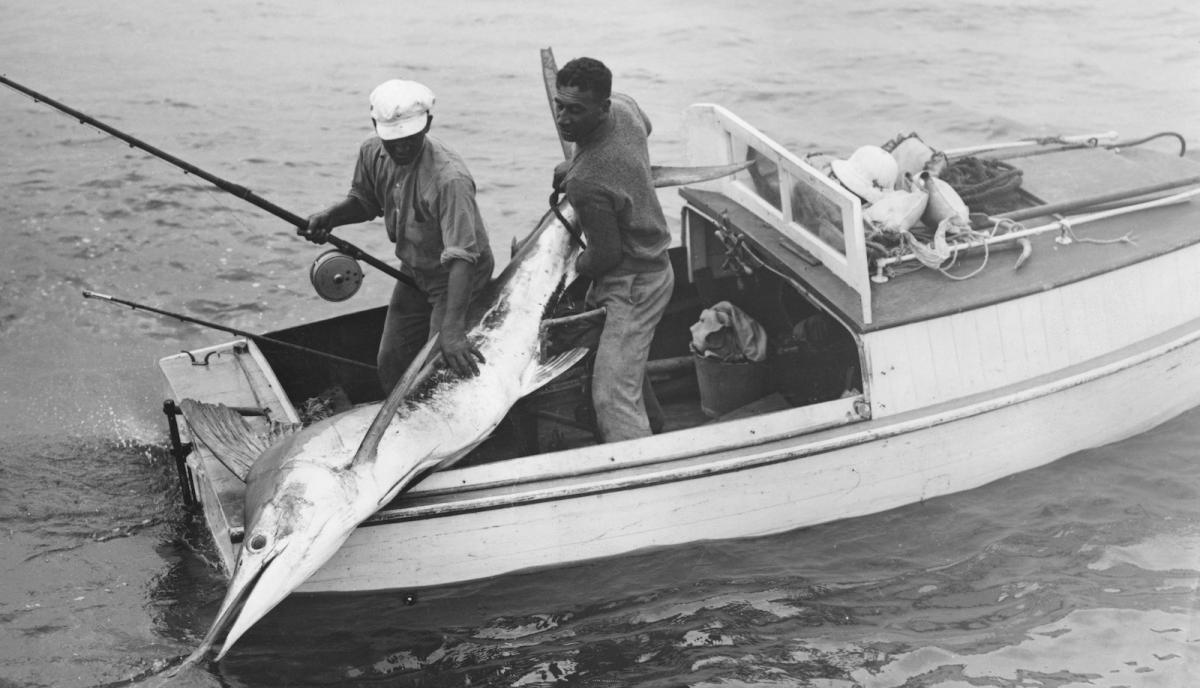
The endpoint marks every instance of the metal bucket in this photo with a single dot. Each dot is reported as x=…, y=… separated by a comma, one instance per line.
x=726, y=387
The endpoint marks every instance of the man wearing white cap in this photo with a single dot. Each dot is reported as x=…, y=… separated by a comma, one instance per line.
x=426, y=196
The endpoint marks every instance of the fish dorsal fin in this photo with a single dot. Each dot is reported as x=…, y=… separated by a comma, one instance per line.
x=542, y=372
x=227, y=435
x=418, y=371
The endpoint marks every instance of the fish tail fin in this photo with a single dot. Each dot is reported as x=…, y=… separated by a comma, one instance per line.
x=678, y=176
x=545, y=371
x=226, y=434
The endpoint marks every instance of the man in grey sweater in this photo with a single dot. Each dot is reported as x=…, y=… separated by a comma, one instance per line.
x=608, y=182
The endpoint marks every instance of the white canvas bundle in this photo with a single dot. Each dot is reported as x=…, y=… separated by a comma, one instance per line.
x=896, y=211
x=944, y=202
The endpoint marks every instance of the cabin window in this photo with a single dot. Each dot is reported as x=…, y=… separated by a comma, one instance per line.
x=808, y=207
x=795, y=195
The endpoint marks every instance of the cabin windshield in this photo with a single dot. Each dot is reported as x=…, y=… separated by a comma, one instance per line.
x=799, y=201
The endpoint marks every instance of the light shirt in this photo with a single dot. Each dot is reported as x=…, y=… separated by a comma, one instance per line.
x=428, y=206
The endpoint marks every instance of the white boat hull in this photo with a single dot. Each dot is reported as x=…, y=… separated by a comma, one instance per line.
x=955, y=382
x=846, y=472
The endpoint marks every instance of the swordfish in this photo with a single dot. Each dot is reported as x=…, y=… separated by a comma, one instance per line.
x=310, y=488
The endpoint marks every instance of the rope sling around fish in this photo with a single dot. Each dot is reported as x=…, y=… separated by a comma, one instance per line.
x=337, y=285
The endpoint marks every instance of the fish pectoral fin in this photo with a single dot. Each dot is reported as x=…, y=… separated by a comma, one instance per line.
x=227, y=435
x=545, y=371
x=415, y=475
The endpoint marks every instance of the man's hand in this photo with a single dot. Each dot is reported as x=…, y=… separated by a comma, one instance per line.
x=459, y=354
x=347, y=211
x=318, y=229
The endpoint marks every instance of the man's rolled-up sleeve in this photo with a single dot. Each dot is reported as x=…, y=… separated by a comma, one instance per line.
x=361, y=188
x=460, y=220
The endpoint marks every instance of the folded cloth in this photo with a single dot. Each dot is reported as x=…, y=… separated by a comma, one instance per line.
x=726, y=333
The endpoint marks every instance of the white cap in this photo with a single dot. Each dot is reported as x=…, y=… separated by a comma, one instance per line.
x=869, y=172
x=400, y=108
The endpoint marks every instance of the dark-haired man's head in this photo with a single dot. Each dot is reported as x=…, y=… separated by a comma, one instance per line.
x=581, y=101
x=586, y=74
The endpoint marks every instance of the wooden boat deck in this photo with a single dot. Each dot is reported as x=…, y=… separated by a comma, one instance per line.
x=924, y=294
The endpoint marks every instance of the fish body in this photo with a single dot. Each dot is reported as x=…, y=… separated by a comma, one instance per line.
x=308, y=491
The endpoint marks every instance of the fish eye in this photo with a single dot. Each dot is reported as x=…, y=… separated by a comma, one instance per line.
x=257, y=542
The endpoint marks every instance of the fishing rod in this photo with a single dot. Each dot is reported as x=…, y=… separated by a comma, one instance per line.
x=87, y=294
x=222, y=184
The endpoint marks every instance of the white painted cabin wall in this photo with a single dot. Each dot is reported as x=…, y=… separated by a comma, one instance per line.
x=930, y=362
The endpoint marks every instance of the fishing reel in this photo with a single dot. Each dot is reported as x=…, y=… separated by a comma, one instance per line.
x=335, y=276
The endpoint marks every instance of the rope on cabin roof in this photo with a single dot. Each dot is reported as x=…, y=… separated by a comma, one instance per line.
x=1067, y=235
x=940, y=255
x=944, y=259
x=887, y=265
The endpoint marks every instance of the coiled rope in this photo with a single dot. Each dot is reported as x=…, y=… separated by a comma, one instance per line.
x=980, y=181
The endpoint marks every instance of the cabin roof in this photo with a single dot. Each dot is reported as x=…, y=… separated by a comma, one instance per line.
x=922, y=294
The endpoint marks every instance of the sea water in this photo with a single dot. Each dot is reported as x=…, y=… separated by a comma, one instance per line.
x=1082, y=573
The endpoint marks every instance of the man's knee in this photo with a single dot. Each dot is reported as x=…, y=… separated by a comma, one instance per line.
x=620, y=410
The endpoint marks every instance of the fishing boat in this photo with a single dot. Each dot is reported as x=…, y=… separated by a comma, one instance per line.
x=901, y=365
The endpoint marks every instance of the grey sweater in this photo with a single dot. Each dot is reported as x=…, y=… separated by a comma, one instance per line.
x=610, y=186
